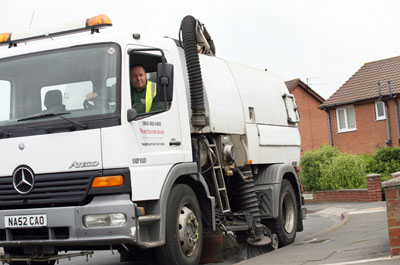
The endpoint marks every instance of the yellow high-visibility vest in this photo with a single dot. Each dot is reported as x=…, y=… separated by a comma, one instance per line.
x=150, y=94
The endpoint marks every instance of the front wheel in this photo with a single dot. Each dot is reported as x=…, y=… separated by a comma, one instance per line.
x=285, y=226
x=184, y=229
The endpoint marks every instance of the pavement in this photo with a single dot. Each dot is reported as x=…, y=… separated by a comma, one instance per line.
x=358, y=235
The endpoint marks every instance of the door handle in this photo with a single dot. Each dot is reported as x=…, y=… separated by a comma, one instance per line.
x=176, y=143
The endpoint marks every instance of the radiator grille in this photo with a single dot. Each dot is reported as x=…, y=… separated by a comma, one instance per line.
x=49, y=189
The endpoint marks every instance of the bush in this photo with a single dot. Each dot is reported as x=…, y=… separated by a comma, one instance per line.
x=386, y=161
x=346, y=171
x=311, y=163
x=328, y=169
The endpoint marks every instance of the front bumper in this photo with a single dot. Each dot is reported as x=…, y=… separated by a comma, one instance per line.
x=65, y=225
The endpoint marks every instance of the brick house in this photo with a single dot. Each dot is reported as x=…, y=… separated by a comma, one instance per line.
x=313, y=126
x=363, y=115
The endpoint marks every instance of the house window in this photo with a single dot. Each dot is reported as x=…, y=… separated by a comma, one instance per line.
x=346, y=119
x=380, y=110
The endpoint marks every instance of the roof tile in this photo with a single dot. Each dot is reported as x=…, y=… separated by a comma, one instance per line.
x=289, y=84
x=363, y=85
x=292, y=84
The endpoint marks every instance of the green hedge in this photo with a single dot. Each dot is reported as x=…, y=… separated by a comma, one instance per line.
x=327, y=168
x=312, y=163
x=386, y=161
x=345, y=171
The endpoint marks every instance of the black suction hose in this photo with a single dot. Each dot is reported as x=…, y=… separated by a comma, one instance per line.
x=188, y=28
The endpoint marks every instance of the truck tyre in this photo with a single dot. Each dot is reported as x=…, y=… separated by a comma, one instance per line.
x=184, y=228
x=285, y=226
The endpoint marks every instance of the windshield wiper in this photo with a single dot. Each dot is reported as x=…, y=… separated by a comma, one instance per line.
x=4, y=133
x=53, y=114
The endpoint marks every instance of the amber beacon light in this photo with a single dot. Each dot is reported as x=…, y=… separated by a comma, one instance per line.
x=5, y=37
x=100, y=20
x=93, y=24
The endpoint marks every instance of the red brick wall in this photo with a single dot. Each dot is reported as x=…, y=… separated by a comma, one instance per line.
x=392, y=192
x=341, y=195
x=372, y=193
x=374, y=187
x=313, y=124
x=370, y=134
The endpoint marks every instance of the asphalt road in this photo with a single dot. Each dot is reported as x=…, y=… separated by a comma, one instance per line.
x=314, y=224
x=361, y=238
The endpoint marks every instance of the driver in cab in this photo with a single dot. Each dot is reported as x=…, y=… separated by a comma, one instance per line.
x=143, y=91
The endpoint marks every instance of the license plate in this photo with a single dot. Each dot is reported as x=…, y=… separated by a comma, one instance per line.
x=32, y=220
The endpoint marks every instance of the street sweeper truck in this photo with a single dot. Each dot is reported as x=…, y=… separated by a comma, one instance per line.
x=90, y=161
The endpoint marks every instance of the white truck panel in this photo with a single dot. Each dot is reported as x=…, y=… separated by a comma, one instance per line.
x=279, y=144
x=272, y=144
x=281, y=155
x=261, y=91
x=51, y=153
x=253, y=145
x=222, y=99
x=180, y=99
x=278, y=135
x=270, y=138
x=147, y=182
x=142, y=143
x=115, y=147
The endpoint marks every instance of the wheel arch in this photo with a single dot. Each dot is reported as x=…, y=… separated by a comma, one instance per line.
x=187, y=173
x=271, y=177
x=292, y=178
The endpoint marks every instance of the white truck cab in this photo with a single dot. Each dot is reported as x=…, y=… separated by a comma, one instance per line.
x=85, y=168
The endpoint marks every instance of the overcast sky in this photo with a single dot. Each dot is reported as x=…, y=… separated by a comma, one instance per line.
x=324, y=41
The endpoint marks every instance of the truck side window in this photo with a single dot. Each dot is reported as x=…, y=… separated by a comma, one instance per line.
x=5, y=100
x=143, y=83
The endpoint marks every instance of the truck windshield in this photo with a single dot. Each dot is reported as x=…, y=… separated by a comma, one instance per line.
x=81, y=83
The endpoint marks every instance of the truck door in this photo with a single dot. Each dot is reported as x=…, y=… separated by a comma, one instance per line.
x=156, y=131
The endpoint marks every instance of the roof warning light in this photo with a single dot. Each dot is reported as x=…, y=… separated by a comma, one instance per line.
x=100, y=20
x=93, y=24
x=4, y=37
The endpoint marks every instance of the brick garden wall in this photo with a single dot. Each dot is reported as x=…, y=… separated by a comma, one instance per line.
x=372, y=193
x=392, y=192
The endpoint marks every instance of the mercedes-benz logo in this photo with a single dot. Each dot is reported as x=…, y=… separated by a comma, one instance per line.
x=23, y=180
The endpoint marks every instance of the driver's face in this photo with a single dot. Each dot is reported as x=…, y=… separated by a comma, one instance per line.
x=138, y=78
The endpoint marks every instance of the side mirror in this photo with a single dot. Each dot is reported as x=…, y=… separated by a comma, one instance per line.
x=165, y=81
x=132, y=114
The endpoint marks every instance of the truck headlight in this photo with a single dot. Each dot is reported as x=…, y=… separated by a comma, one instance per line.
x=104, y=220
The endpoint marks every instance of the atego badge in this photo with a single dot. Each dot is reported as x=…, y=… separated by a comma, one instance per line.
x=84, y=164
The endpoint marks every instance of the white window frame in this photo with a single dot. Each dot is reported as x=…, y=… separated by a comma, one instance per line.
x=346, y=129
x=383, y=117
